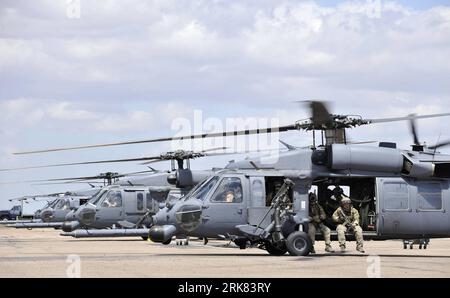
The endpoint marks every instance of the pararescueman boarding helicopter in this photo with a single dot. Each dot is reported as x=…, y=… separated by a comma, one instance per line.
x=405, y=193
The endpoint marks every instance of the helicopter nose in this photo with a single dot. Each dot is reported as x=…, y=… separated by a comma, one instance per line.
x=189, y=217
x=86, y=216
x=46, y=215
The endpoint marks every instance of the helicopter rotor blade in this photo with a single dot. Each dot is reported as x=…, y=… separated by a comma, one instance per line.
x=407, y=118
x=320, y=113
x=79, y=163
x=413, y=129
x=440, y=145
x=188, y=137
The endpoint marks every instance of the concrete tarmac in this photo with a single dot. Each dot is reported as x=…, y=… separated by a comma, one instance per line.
x=43, y=253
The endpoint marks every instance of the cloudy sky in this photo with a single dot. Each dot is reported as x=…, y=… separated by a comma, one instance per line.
x=81, y=72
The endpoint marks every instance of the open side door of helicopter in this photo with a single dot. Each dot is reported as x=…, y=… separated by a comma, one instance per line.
x=262, y=191
x=413, y=208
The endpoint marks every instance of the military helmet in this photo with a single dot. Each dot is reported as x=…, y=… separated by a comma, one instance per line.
x=346, y=201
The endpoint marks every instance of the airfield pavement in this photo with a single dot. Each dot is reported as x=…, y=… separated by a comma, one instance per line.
x=43, y=253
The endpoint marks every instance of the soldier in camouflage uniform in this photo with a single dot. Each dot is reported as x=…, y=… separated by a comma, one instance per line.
x=316, y=218
x=347, y=219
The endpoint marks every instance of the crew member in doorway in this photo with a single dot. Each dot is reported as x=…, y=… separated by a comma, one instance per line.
x=347, y=219
x=317, y=217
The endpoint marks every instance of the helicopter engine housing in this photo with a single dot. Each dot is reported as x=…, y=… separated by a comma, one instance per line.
x=373, y=159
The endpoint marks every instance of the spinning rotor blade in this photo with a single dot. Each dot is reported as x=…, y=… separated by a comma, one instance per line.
x=189, y=137
x=440, y=145
x=320, y=113
x=80, y=163
x=407, y=118
x=412, y=122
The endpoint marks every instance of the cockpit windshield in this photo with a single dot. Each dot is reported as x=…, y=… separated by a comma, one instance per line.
x=94, y=200
x=63, y=204
x=202, y=190
x=52, y=204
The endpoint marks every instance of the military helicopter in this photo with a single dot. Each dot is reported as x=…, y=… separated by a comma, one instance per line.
x=407, y=191
x=131, y=213
x=53, y=214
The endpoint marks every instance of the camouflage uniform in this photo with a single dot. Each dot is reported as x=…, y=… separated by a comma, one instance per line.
x=316, y=217
x=351, y=224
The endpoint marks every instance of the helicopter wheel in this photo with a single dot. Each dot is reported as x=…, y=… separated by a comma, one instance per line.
x=298, y=244
x=274, y=250
x=167, y=242
x=145, y=238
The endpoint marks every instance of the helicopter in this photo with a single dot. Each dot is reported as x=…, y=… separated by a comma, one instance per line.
x=406, y=192
x=135, y=198
x=52, y=215
x=124, y=207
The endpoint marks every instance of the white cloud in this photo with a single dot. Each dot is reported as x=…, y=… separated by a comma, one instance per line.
x=125, y=69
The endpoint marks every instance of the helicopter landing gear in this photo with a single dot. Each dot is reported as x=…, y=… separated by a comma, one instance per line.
x=183, y=241
x=298, y=244
x=423, y=243
x=145, y=238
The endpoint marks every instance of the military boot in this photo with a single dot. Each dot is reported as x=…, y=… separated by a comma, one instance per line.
x=360, y=249
x=328, y=248
x=313, y=251
x=342, y=248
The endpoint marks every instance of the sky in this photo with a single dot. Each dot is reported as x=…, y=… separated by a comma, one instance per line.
x=84, y=72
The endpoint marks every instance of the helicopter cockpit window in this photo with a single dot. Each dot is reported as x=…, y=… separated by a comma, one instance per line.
x=229, y=191
x=63, y=204
x=113, y=199
x=203, y=190
x=95, y=199
x=53, y=203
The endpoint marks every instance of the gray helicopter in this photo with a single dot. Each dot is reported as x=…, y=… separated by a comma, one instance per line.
x=59, y=205
x=405, y=192
x=124, y=207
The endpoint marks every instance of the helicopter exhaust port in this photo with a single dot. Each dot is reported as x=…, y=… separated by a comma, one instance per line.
x=162, y=234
